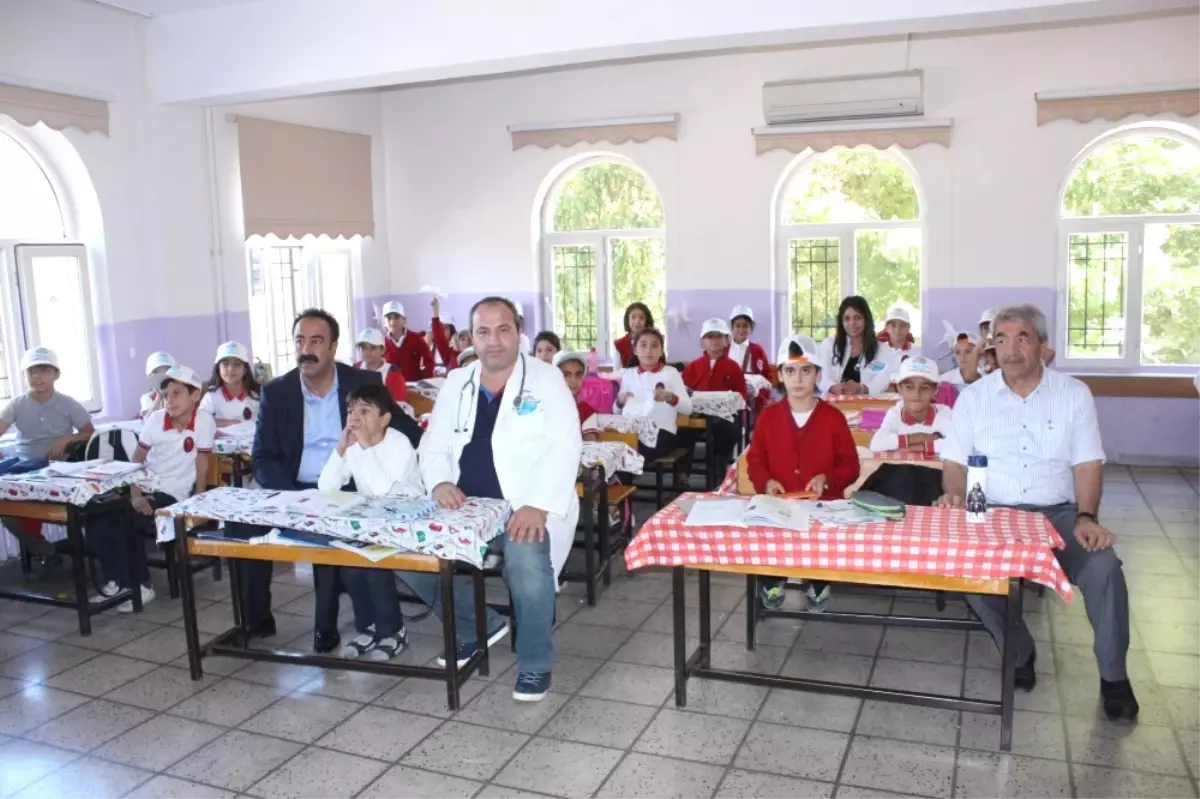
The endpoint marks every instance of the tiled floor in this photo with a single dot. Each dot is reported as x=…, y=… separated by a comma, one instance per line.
x=116, y=714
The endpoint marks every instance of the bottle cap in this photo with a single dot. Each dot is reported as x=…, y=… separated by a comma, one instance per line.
x=977, y=461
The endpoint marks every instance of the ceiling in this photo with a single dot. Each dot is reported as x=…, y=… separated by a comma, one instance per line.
x=158, y=8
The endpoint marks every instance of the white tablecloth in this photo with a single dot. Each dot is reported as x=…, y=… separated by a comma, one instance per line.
x=644, y=428
x=722, y=404
x=614, y=456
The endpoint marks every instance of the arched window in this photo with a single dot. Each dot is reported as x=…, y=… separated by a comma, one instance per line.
x=849, y=223
x=1130, y=239
x=603, y=248
x=51, y=305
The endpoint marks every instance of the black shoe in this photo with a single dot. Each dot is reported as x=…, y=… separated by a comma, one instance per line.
x=1026, y=676
x=326, y=642
x=1119, y=702
x=264, y=629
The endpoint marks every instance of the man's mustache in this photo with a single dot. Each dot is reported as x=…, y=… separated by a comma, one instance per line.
x=307, y=359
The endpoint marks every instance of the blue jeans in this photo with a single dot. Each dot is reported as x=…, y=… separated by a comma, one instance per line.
x=530, y=579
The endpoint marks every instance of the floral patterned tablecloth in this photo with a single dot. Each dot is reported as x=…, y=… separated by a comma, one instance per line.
x=614, y=456
x=756, y=384
x=722, y=404
x=644, y=428
x=460, y=534
x=40, y=486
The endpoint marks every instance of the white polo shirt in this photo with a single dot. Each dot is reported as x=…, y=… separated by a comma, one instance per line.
x=1031, y=444
x=151, y=401
x=229, y=407
x=171, y=453
x=897, y=423
x=642, y=383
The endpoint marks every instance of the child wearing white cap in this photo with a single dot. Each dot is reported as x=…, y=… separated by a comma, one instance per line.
x=966, y=355
x=156, y=364
x=897, y=333
x=985, y=324
x=573, y=366
x=916, y=424
x=175, y=444
x=750, y=356
x=444, y=336
x=406, y=349
x=371, y=353
x=714, y=370
x=233, y=392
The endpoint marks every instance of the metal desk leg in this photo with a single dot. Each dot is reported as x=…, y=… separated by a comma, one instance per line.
x=1008, y=673
x=79, y=570
x=187, y=593
x=133, y=543
x=449, y=634
x=602, y=515
x=751, y=610
x=479, y=586
x=680, y=626
x=705, y=622
x=710, y=459
x=588, y=511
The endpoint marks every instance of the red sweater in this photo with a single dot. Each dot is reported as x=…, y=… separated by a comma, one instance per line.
x=412, y=357
x=393, y=381
x=795, y=455
x=448, y=353
x=755, y=361
x=702, y=375
x=624, y=347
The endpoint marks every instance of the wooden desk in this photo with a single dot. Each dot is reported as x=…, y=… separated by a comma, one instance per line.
x=862, y=437
x=858, y=404
x=234, y=642
x=421, y=405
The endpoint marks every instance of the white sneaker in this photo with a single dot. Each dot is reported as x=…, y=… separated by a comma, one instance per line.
x=127, y=606
x=107, y=590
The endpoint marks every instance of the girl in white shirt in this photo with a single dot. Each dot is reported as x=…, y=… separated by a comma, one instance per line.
x=852, y=360
x=966, y=355
x=233, y=393
x=655, y=390
x=917, y=424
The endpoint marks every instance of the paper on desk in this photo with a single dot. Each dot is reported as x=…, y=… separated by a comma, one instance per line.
x=239, y=430
x=840, y=513
x=717, y=512
x=639, y=405
x=331, y=503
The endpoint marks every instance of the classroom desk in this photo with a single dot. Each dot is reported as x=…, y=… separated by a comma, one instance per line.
x=599, y=461
x=665, y=541
x=71, y=502
x=868, y=464
x=847, y=403
x=421, y=404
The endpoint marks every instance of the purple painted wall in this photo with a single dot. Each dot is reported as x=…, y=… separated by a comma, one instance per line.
x=701, y=304
x=962, y=307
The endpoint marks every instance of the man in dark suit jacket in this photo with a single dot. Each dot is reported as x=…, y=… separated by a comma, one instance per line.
x=300, y=418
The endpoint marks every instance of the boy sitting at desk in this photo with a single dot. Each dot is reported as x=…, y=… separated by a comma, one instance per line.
x=175, y=444
x=381, y=462
x=573, y=366
x=916, y=424
x=47, y=422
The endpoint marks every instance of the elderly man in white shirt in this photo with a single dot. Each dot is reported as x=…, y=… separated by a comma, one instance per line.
x=1038, y=429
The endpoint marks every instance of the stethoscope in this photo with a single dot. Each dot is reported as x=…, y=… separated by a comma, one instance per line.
x=464, y=427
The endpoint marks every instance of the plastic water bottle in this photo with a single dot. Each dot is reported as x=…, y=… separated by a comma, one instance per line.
x=977, y=488
x=593, y=364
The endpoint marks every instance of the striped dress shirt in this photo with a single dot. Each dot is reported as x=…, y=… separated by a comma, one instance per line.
x=1031, y=443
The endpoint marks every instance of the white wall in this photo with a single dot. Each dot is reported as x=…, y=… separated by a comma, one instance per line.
x=461, y=200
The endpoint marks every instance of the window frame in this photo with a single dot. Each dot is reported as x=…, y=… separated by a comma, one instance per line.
x=845, y=232
x=1134, y=227
x=601, y=241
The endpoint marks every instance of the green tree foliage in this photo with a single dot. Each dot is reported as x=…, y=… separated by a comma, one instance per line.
x=607, y=197
x=1136, y=176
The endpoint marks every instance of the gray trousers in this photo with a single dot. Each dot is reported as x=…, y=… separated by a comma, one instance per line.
x=1099, y=578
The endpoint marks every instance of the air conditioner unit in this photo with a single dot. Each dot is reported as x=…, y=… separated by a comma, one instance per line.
x=892, y=94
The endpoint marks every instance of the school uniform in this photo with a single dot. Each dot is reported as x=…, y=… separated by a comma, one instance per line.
x=441, y=346
x=794, y=450
x=589, y=422
x=721, y=374
x=642, y=383
x=395, y=383
x=875, y=375
x=898, y=424
x=411, y=355
x=224, y=406
x=752, y=358
x=150, y=402
x=171, y=456
x=955, y=377
x=624, y=347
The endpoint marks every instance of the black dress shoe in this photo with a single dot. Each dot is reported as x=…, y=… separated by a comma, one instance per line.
x=1026, y=677
x=1119, y=702
x=264, y=629
x=326, y=642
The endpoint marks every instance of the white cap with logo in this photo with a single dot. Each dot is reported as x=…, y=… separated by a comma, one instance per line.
x=392, y=307
x=38, y=356
x=897, y=313
x=370, y=336
x=807, y=351
x=917, y=366
x=742, y=310
x=566, y=355
x=988, y=316
x=182, y=374
x=158, y=360
x=232, y=349
x=714, y=325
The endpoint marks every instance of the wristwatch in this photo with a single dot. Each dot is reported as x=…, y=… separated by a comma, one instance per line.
x=1083, y=514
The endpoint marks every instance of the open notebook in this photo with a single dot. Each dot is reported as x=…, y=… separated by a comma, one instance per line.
x=760, y=510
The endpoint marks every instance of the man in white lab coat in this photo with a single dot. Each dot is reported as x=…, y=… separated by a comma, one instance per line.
x=506, y=427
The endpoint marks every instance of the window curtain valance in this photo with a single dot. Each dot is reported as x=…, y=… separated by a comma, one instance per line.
x=1115, y=104
x=612, y=131
x=299, y=181
x=879, y=135
x=56, y=110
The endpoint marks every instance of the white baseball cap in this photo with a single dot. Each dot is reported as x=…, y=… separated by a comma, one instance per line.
x=520, y=309
x=232, y=349
x=897, y=314
x=447, y=319
x=38, y=356
x=808, y=351
x=988, y=316
x=917, y=366
x=370, y=336
x=967, y=336
x=742, y=310
x=565, y=356
x=989, y=344
x=157, y=360
x=469, y=352
x=714, y=325
x=182, y=374
x=392, y=307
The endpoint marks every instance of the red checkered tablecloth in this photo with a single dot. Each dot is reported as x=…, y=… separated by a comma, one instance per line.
x=932, y=541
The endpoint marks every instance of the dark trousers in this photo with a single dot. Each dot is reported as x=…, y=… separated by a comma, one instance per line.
x=106, y=535
x=375, y=599
x=663, y=446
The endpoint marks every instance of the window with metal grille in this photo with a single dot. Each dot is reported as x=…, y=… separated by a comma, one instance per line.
x=816, y=283
x=1130, y=252
x=575, y=295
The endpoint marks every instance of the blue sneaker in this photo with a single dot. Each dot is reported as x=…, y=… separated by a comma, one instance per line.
x=531, y=686
x=467, y=648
